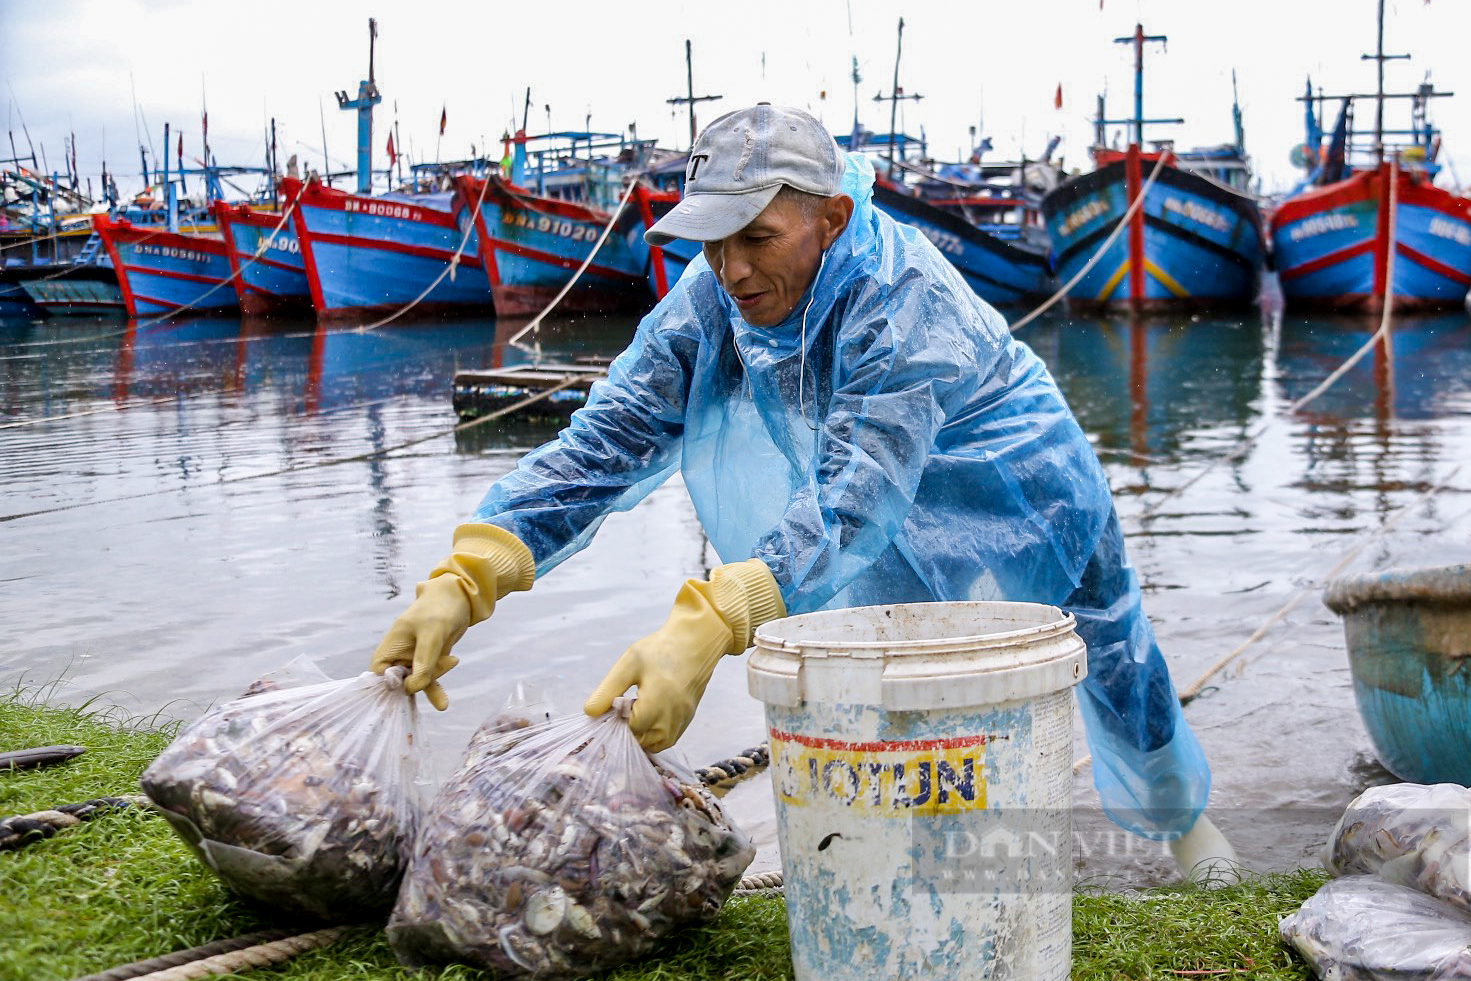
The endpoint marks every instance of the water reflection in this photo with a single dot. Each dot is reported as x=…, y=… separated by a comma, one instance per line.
x=1423, y=372
x=1147, y=387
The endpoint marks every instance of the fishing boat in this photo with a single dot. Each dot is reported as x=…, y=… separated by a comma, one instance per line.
x=161, y=271
x=367, y=254
x=265, y=260
x=80, y=288
x=1408, y=633
x=547, y=214
x=1196, y=239
x=1331, y=237
x=175, y=260
x=54, y=260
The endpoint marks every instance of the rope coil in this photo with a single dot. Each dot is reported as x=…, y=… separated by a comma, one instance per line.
x=137, y=969
x=249, y=958
x=729, y=772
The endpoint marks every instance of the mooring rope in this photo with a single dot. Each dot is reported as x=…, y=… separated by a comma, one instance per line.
x=248, y=958
x=1134, y=206
x=137, y=969
x=1189, y=693
x=760, y=882
x=727, y=773
x=613, y=220
x=24, y=829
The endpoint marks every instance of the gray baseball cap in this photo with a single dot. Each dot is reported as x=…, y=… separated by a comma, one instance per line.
x=740, y=162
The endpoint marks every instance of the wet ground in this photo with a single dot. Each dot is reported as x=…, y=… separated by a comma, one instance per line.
x=187, y=505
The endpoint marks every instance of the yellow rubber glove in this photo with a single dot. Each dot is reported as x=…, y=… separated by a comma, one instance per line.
x=672, y=665
x=486, y=564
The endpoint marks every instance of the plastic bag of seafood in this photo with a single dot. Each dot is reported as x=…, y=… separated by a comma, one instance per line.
x=1413, y=834
x=1361, y=928
x=561, y=849
x=304, y=797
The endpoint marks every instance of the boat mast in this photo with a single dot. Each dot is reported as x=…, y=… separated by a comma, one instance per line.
x=691, y=98
x=1137, y=39
x=1379, y=57
x=368, y=97
x=893, y=99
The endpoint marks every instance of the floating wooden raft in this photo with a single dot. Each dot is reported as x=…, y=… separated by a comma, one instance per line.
x=481, y=391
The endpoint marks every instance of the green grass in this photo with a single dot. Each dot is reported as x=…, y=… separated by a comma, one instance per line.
x=122, y=888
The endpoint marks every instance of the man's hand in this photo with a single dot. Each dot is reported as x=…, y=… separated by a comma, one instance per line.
x=486, y=564
x=672, y=666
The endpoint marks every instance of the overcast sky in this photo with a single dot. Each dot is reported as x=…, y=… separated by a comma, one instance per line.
x=101, y=68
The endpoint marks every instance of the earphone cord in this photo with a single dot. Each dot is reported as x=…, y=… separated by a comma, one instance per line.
x=802, y=362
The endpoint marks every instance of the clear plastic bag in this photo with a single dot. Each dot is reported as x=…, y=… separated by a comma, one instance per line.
x=303, y=797
x=560, y=849
x=1416, y=835
x=1361, y=928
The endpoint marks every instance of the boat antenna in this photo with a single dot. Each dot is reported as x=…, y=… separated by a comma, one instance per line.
x=15, y=103
x=1236, y=116
x=326, y=160
x=1379, y=57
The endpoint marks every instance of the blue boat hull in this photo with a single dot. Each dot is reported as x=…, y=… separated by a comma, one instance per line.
x=1191, y=244
x=535, y=243
x=265, y=255
x=1330, y=245
x=1409, y=644
x=366, y=256
x=1001, y=272
x=161, y=272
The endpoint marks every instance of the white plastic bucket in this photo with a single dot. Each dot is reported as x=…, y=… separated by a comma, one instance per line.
x=921, y=762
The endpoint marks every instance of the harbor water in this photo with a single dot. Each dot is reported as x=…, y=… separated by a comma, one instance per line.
x=187, y=505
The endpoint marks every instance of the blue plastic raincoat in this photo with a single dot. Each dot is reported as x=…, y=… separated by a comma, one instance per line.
x=891, y=442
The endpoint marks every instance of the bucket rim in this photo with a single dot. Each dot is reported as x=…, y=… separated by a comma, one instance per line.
x=1439, y=584
x=1061, y=623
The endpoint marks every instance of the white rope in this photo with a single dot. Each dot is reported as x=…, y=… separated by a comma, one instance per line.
x=536, y=321
x=448, y=270
x=1134, y=206
x=1254, y=198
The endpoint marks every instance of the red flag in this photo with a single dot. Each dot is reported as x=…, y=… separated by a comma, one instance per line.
x=1057, y=99
x=392, y=154
x=443, y=118
x=204, y=123
x=181, y=148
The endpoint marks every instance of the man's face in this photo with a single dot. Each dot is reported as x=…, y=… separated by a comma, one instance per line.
x=768, y=265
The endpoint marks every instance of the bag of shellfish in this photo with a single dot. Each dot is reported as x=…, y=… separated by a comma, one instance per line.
x=305, y=797
x=560, y=849
x=1361, y=928
x=1413, y=834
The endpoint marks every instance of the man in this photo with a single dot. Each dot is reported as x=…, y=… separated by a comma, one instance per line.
x=854, y=427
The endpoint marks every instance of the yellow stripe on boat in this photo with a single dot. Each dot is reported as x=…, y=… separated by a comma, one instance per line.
x=1165, y=279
